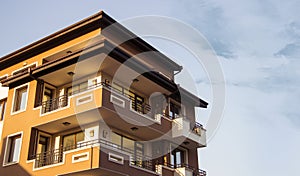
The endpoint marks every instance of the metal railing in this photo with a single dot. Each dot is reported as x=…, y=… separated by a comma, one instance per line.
x=54, y=104
x=62, y=101
x=201, y=172
x=48, y=158
x=197, y=129
x=196, y=172
x=56, y=156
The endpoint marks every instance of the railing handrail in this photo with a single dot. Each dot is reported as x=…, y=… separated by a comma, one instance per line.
x=198, y=172
x=144, y=106
x=56, y=155
x=91, y=143
x=54, y=99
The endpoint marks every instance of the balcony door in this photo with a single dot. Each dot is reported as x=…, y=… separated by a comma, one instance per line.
x=175, y=110
x=43, y=150
x=139, y=153
x=137, y=102
x=71, y=141
x=177, y=158
x=48, y=103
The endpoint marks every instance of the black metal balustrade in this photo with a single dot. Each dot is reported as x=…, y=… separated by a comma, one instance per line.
x=56, y=156
x=201, y=173
x=196, y=172
x=140, y=107
x=48, y=158
x=54, y=104
x=198, y=128
x=62, y=101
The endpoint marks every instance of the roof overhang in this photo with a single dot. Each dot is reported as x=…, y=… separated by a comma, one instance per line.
x=98, y=21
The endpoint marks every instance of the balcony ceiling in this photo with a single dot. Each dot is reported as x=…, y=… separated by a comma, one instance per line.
x=108, y=65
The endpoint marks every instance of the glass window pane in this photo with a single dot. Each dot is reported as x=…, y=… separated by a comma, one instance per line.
x=83, y=86
x=69, y=91
x=128, y=143
x=17, y=146
x=69, y=141
x=75, y=89
x=178, y=158
x=23, y=99
x=79, y=137
x=20, y=99
x=172, y=160
x=116, y=139
x=2, y=109
x=14, y=148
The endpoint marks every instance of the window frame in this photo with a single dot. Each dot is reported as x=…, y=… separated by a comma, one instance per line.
x=8, y=147
x=122, y=137
x=80, y=89
x=179, y=106
x=185, y=152
x=14, y=103
x=74, y=146
x=3, y=104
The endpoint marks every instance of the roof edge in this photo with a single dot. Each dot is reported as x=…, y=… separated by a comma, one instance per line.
x=51, y=36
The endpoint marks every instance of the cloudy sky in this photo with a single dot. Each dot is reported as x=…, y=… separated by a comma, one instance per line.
x=258, y=45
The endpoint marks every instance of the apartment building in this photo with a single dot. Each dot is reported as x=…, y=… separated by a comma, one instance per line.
x=87, y=101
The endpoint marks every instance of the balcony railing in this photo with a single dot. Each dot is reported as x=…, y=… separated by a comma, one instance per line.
x=56, y=156
x=196, y=172
x=198, y=128
x=54, y=104
x=48, y=158
x=62, y=101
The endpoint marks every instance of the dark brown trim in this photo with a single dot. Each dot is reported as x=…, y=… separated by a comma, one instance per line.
x=104, y=46
x=99, y=20
x=136, y=41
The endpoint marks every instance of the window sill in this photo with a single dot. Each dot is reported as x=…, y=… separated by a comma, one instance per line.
x=17, y=112
x=10, y=163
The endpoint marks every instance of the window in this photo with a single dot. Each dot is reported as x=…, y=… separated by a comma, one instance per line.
x=178, y=157
x=2, y=108
x=20, y=98
x=43, y=144
x=48, y=94
x=13, y=148
x=116, y=139
x=175, y=110
x=70, y=141
x=126, y=143
x=77, y=88
x=130, y=145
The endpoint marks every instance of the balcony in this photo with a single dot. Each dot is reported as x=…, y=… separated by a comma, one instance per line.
x=179, y=170
x=64, y=100
x=54, y=104
x=184, y=132
x=188, y=170
x=111, y=154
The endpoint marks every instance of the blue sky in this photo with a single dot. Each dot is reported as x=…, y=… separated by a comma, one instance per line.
x=258, y=46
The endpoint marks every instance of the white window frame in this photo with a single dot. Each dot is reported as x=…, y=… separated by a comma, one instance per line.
x=186, y=152
x=13, y=112
x=5, y=162
x=3, y=103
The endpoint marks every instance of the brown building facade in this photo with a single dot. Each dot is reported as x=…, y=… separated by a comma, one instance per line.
x=86, y=100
